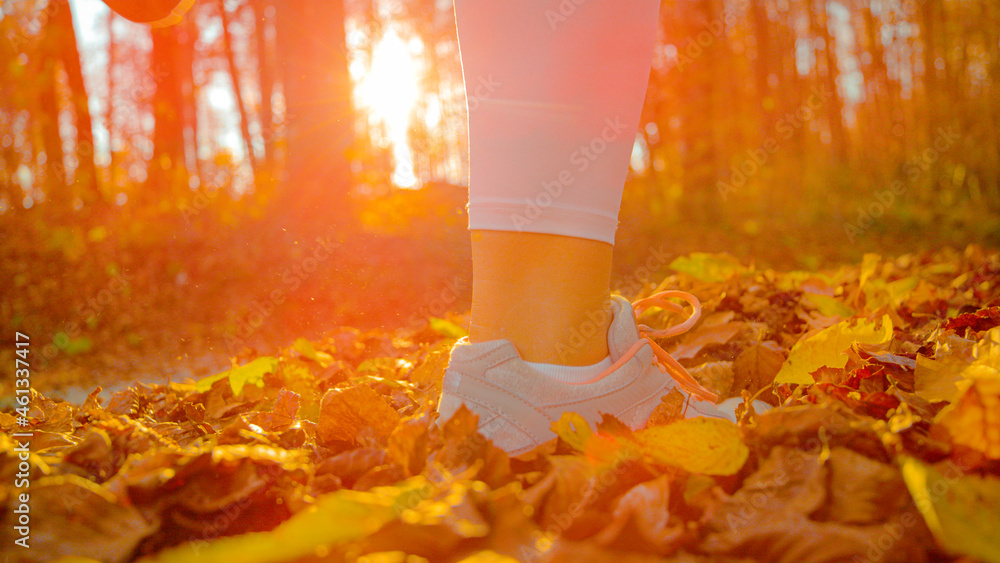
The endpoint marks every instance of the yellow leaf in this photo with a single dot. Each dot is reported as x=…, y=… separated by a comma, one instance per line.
x=338, y=517
x=306, y=348
x=708, y=267
x=829, y=306
x=710, y=446
x=869, y=263
x=827, y=347
x=252, y=372
x=987, y=351
x=447, y=328
x=962, y=511
x=433, y=366
x=973, y=420
x=573, y=429
x=934, y=380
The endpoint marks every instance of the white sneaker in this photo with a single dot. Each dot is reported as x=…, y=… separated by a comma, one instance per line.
x=517, y=405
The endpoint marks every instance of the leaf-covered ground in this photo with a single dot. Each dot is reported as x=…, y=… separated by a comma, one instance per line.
x=884, y=444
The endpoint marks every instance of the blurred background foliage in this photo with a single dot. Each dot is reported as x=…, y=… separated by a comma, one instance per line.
x=205, y=159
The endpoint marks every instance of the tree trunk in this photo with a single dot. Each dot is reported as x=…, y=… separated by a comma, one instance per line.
x=265, y=77
x=109, y=109
x=319, y=119
x=881, y=98
x=227, y=44
x=167, y=170
x=835, y=105
x=47, y=122
x=65, y=48
x=763, y=66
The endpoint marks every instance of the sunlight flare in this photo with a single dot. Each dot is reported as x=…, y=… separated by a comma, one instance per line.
x=389, y=91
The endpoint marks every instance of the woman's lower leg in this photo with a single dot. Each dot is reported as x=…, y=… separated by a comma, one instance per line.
x=554, y=103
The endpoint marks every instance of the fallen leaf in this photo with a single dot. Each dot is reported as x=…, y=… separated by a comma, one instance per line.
x=983, y=319
x=73, y=516
x=756, y=366
x=350, y=414
x=408, y=445
x=712, y=330
x=282, y=416
x=642, y=515
x=573, y=429
x=432, y=368
x=670, y=409
x=717, y=377
x=447, y=328
x=862, y=490
x=708, y=267
x=973, y=420
x=829, y=306
x=962, y=511
x=771, y=518
x=307, y=349
x=699, y=445
x=335, y=518
x=252, y=372
x=827, y=348
x=935, y=380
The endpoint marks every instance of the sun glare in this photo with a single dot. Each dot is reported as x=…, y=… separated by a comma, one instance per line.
x=390, y=90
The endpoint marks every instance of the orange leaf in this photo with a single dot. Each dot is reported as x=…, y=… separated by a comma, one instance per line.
x=282, y=416
x=974, y=419
x=350, y=414
x=670, y=409
x=408, y=445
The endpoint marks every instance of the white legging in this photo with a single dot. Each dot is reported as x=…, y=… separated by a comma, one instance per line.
x=555, y=89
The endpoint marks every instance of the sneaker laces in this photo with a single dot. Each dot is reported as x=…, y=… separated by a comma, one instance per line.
x=666, y=364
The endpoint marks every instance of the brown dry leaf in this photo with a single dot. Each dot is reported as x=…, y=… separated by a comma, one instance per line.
x=641, y=519
x=717, y=377
x=464, y=447
x=349, y=466
x=772, y=518
x=714, y=329
x=354, y=415
x=95, y=453
x=408, y=444
x=568, y=499
x=815, y=426
x=756, y=366
x=282, y=416
x=670, y=409
x=72, y=516
x=49, y=414
x=42, y=441
x=862, y=490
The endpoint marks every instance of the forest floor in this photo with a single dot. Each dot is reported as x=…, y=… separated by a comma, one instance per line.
x=884, y=443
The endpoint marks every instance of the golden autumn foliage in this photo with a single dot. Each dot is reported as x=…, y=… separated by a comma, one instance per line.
x=331, y=450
